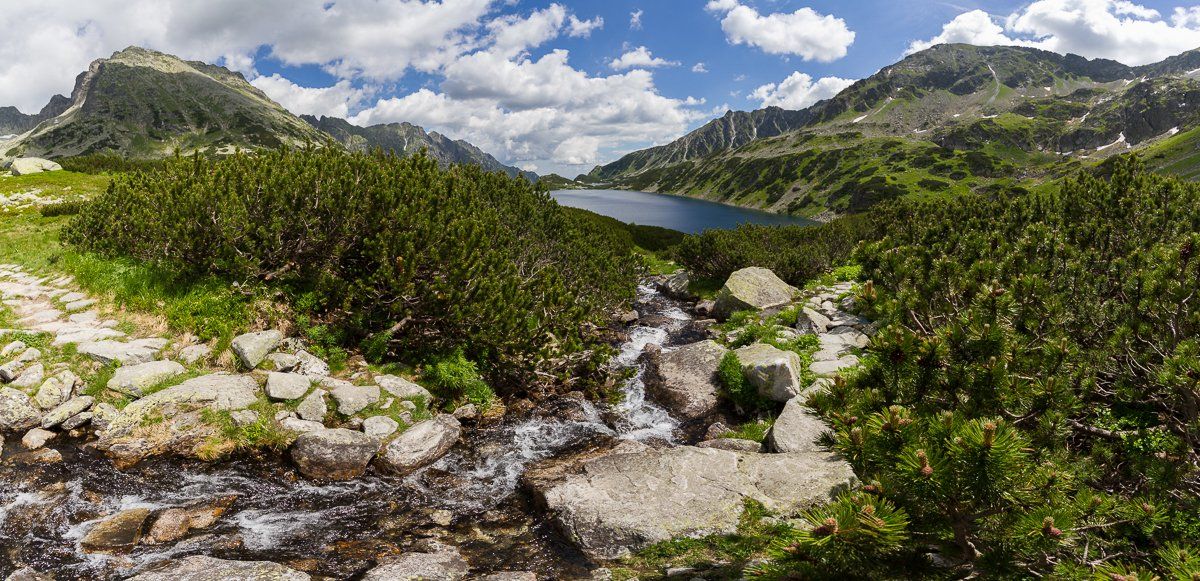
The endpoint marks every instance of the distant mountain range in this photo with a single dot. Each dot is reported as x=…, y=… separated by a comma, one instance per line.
x=141, y=103
x=950, y=119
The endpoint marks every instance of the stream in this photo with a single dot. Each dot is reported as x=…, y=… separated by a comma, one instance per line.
x=471, y=498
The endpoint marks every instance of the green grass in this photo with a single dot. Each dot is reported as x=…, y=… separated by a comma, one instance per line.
x=56, y=184
x=755, y=430
x=264, y=433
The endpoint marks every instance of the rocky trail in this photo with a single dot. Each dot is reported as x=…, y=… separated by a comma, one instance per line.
x=115, y=480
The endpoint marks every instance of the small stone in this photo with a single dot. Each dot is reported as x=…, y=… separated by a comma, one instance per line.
x=831, y=368
x=31, y=376
x=56, y=390
x=283, y=362
x=309, y=364
x=380, y=426
x=195, y=353
x=352, y=399
x=467, y=412
x=252, y=348
x=734, y=444
x=314, y=408
x=300, y=426
x=441, y=564
x=402, y=388
x=67, y=410
x=134, y=380
x=77, y=420
x=284, y=414
x=244, y=417
x=36, y=438
x=287, y=386
x=12, y=347
x=102, y=415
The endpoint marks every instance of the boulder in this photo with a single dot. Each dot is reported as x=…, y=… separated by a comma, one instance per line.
x=30, y=376
x=811, y=322
x=685, y=379
x=621, y=503
x=420, y=445
x=775, y=373
x=402, y=388
x=175, y=523
x=23, y=166
x=118, y=533
x=252, y=348
x=282, y=362
x=440, y=564
x=797, y=429
x=67, y=410
x=334, y=454
x=309, y=364
x=847, y=336
x=194, y=353
x=832, y=368
x=752, y=288
x=77, y=420
x=314, y=408
x=352, y=399
x=380, y=426
x=134, y=380
x=36, y=438
x=202, y=568
x=56, y=390
x=125, y=353
x=286, y=386
x=676, y=286
x=17, y=412
x=103, y=415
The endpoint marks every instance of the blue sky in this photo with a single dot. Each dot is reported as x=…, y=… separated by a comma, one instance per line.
x=557, y=86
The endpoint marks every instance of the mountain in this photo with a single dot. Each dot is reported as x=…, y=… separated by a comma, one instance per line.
x=14, y=122
x=950, y=119
x=407, y=139
x=141, y=103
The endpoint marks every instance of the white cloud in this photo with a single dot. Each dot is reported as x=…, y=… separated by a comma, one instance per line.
x=699, y=68
x=799, y=90
x=639, y=57
x=513, y=34
x=584, y=28
x=635, y=20
x=334, y=101
x=1115, y=29
x=805, y=33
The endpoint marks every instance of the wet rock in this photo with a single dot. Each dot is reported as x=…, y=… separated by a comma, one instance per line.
x=441, y=564
x=286, y=386
x=134, y=380
x=467, y=412
x=420, y=445
x=752, y=288
x=352, y=399
x=380, y=426
x=733, y=444
x=775, y=373
x=252, y=348
x=301, y=426
x=402, y=388
x=623, y=502
x=194, y=353
x=676, y=286
x=309, y=364
x=56, y=390
x=36, y=438
x=797, y=429
x=175, y=523
x=118, y=533
x=283, y=362
x=685, y=379
x=202, y=568
x=29, y=574
x=314, y=408
x=334, y=454
x=627, y=317
x=17, y=412
x=125, y=353
x=41, y=456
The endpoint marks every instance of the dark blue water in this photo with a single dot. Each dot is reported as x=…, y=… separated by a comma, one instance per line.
x=675, y=212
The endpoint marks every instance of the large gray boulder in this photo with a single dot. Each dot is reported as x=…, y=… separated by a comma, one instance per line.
x=23, y=166
x=752, y=288
x=125, y=353
x=621, y=503
x=136, y=379
x=422, y=444
x=252, y=348
x=17, y=412
x=334, y=454
x=810, y=322
x=441, y=563
x=775, y=373
x=685, y=379
x=203, y=568
x=797, y=429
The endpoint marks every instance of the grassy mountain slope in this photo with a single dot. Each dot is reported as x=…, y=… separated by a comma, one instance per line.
x=407, y=139
x=951, y=119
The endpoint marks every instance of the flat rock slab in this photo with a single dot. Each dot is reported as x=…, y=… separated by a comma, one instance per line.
x=67, y=410
x=252, y=348
x=624, y=502
x=125, y=353
x=216, y=391
x=202, y=568
x=832, y=368
x=685, y=379
x=136, y=379
x=797, y=429
x=118, y=533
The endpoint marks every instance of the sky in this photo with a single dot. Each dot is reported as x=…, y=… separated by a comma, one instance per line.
x=557, y=86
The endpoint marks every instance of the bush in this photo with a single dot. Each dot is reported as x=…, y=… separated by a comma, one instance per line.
x=457, y=379
x=99, y=163
x=61, y=209
x=795, y=253
x=737, y=388
x=435, y=259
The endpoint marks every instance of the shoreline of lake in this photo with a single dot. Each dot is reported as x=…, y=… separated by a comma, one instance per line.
x=683, y=213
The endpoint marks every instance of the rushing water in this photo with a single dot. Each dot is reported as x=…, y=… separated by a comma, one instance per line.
x=676, y=212
x=338, y=529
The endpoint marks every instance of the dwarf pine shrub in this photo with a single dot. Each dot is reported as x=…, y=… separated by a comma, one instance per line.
x=432, y=260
